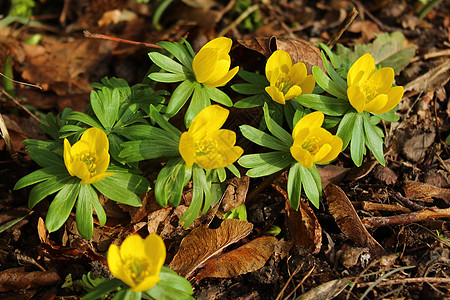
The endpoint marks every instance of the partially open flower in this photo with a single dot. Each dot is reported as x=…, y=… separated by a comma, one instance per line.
x=287, y=81
x=212, y=63
x=88, y=158
x=312, y=143
x=370, y=90
x=138, y=262
x=206, y=144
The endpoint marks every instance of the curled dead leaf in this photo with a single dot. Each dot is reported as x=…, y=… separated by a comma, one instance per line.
x=247, y=258
x=424, y=191
x=14, y=279
x=203, y=243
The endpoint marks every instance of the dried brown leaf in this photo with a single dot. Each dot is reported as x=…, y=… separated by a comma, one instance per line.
x=234, y=195
x=247, y=258
x=13, y=279
x=327, y=290
x=203, y=243
x=417, y=145
x=348, y=221
x=423, y=191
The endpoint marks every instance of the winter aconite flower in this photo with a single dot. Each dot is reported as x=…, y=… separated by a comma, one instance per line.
x=88, y=158
x=206, y=144
x=370, y=90
x=287, y=81
x=138, y=262
x=312, y=143
x=212, y=63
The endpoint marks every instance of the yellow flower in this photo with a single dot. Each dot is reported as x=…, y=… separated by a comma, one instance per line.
x=312, y=143
x=206, y=144
x=212, y=63
x=88, y=158
x=138, y=262
x=287, y=81
x=372, y=91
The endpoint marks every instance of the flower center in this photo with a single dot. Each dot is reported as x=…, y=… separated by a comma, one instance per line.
x=311, y=145
x=283, y=83
x=369, y=92
x=205, y=146
x=138, y=269
x=89, y=160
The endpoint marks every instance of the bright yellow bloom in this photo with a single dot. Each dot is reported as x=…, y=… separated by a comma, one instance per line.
x=212, y=63
x=206, y=144
x=287, y=81
x=372, y=91
x=312, y=143
x=138, y=262
x=88, y=158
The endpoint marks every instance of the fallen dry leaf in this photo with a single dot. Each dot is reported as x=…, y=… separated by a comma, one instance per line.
x=424, y=191
x=433, y=79
x=332, y=173
x=234, y=195
x=348, y=221
x=203, y=243
x=247, y=258
x=417, y=145
x=327, y=290
x=18, y=279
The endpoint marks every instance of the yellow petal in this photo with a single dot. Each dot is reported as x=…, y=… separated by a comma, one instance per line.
x=115, y=264
x=203, y=64
x=361, y=70
x=96, y=139
x=300, y=136
x=222, y=43
x=224, y=80
x=186, y=148
x=96, y=178
x=310, y=121
x=395, y=95
x=207, y=121
x=80, y=170
x=275, y=94
x=356, y=98
x=298, y=73
x=220, y=159
x=293, y=92
x=68, y=156
x=308, y=84
x=156, y=252
x=102, y=161
x=132, y=247
x=146, y=284
x=323, y=152
x=278, y=60
x=219, y=70
x=377, y=105
x=336, y=147
x=81, y=147
x=302, y=156
x=382, y=80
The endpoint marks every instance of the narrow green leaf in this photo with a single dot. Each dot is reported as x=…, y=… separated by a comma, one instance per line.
x=13, y=222
x=263, y=164
x=373, y=141
x=140, y=132
x=40, y=175
x=234, y=170
x=132, y=182
x=261, y=138
x=105, y=105
x=180, y=52
x=310, y=187
x=253, y=78
x=164, y=124
x=316, y=175
x=252, y=101
x=45, y=158
x=218, y=96
x=167, y=77
x=221, y=174
x=166, y=63
x=85, y=221
x=197, y=197
x=127, y=114
x=134, y=151
x=345, y=129
x=357, y=144
x=102, y=289
x=327, y=84
x=200, y=100
x=390, y=116
x=294, y=185
x=179, y=97
x=276, y=129
x=170, y=182
x=111, y=190
x=341, y=84
x=71, y=128
x=84, y=118
x=48, y=187
x=328, y=105
x=248, y=88
x=60, y=208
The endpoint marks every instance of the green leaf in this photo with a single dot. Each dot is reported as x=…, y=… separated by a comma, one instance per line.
x=252, y=101
x=49, y=187
x=132, y=182
x=180, y=52
x=83, y=118
x=234, y=170
x=341, y=84
x=71, y=128
x=170, y=182
x=263, y=164
x=115, y=147
x=109, y=188
x=45, y=158
x=101, y=215
x=221, y=174
x=60, y=208
x=316, y=175
x=198, y=180
x=294, y=185
x=41, y=175
x=140, y=132
x=248, y=88
x=171, y=286
x=13, y=222
x=200, y=100
x=357, y=144
x=85, y=222
x=164, y=124
x=105, y=105
x=345, y=129
x=218, y=96
x=373, y=141
x=127, y=114
x=390, y=116
x=253, y=78
x=167, y=77
x=328, y=105
x=310, y=187
x=134, y=151
x=261, y=138
x=179, y=97
x=166, y=63
x=327, y=84
x=103, y=289
x=276, y=129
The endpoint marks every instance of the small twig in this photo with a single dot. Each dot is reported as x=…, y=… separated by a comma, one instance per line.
x=370, y=206
x=408, y=203
x=407, y=280
x=239, y=19
x=21, y=82
x=280, y=294
x=20, y=105
x=119, y=40
x=5, y=135
x=342, y=28
x=301, y=282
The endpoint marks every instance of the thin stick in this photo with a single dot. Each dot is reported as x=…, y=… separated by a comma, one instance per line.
x=5, y=135
x=301, y=282
x=119, y=40
x=407, y=280
x=20, y=105
x=342, y=28
x=21, y=82
x=241, y=18
x=280, y=294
